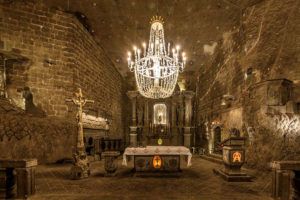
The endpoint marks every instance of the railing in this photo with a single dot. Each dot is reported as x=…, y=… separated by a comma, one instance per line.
x=109, y=145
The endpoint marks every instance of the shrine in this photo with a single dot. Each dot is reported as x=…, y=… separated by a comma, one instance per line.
x=150, y=99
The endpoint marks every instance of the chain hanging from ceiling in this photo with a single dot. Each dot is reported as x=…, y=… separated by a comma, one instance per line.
x=156, y=68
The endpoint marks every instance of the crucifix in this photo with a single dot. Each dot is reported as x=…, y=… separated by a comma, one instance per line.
x=81, y=164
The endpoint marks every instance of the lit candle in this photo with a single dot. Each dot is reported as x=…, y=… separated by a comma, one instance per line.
x=135, y=53
x=129, y=61
x=144, y=46
x=139, y=53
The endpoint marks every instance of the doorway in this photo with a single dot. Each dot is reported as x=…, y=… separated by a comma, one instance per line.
x=217, y=140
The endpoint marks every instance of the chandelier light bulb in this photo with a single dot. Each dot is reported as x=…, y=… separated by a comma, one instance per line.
x=134, y=48
x=129, y=53
x=183, y=54
x=177, y=47
x=144, y=44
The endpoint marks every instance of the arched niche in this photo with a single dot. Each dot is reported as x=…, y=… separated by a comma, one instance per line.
x=160, y=113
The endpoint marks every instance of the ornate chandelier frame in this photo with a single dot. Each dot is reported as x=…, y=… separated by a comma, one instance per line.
x=156, y=71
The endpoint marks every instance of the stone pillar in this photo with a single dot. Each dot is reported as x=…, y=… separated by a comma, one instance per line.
x=187, y=137
x=133, y=136
x=188, y=95
x=173, y=110
x=146, y=116
x=132, y=96
x=133, y=128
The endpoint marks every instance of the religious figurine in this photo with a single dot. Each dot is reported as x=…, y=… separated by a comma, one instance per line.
x=80, y=169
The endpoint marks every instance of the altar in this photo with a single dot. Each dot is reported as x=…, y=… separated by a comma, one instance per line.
x=157, y=158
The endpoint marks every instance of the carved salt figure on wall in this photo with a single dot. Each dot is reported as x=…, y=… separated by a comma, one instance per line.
x=29, y=105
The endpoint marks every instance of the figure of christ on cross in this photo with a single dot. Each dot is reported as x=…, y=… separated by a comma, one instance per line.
x=81, y=165
x=156, y=162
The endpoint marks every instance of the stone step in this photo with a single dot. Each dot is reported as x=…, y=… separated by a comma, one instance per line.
x=212, y=159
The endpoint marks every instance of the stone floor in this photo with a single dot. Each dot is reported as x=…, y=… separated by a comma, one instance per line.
x=197, y=182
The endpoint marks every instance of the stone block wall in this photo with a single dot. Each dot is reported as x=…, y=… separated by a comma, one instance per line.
x=40, y=36
x=50, y=52
x=263, y=49
x=49, y=139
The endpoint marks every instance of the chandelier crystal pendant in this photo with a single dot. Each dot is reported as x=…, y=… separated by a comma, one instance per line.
x=155, y=67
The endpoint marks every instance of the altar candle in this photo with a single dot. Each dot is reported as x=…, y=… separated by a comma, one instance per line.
x=139, y=53
x=135, y=53
x=144, y=46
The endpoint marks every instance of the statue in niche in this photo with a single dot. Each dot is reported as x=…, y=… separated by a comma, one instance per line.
x=29, y=105
x=251, y=133
x=28, y=98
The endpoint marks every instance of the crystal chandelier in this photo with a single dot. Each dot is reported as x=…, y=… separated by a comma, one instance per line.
x=156, y=68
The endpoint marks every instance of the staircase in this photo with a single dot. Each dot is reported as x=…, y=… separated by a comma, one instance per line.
x=216, y=158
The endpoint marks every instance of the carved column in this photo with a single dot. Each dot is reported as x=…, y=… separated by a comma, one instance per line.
x=146, y=118
x=146, y=113
x=188, y=95
x=133, y=128
x=173, y=110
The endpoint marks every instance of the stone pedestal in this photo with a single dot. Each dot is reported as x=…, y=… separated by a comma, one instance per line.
x=133, y=136
x=281, y=180
x=81, y=167
x=187, y=137
x=17, y=178
x=233, y=160
x=110, y=162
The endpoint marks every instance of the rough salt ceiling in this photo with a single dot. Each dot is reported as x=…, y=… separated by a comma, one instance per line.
x=120, y=24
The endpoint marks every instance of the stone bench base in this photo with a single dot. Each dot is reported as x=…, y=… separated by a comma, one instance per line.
x=17, y=178
x=110, y=163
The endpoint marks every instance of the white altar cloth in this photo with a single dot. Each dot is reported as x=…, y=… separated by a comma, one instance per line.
x=157, y=150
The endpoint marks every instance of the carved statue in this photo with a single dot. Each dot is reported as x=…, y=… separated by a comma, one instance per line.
x=28, y=98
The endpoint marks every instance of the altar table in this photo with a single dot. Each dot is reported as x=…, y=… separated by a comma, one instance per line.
x=157, y=158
